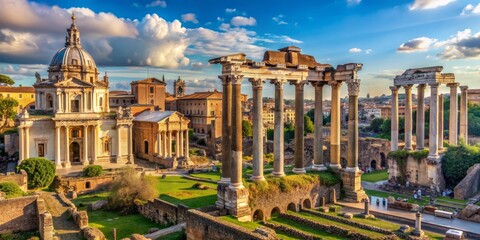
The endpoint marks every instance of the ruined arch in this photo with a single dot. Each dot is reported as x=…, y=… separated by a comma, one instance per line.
x=292, y=207
x=307, y=204
x=373, y=165
x=275, y=212
x=258, y=215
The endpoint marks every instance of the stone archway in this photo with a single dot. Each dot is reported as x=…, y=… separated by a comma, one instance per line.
x=275, y=212
x=383, y=162
x=373, y=165
x=258, y=215
x=292, y=207
x=307, y=204
x=75, y=152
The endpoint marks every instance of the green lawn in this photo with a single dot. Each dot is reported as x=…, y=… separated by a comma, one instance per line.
x=375, y=176
x=306, y=229
x=179, y=190
x=424, y=201
x=215, y=176
x=253, y=225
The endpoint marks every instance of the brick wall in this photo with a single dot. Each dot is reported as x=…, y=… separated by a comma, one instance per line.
x=163, y=212
x=20, y=179
x=82, y=184
x=18, y=214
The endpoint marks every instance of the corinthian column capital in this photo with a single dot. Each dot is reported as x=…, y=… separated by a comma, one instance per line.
x=335, y=84
x=256, y=82
x=225, y=79
x=318, y=84
x=353, y=87
x=236, y=79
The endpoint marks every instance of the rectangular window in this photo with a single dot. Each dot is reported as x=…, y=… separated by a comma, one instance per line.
x=31, y=96
x=41, y=150
x=151, y=89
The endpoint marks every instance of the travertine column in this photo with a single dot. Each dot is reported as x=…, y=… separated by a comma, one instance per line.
x=226, y=128
x=21, y=147
x=299, y=167
x=433, y=128
x=394, y=119
x=420, y=135
x=130, y=143
x=67, y=146
x=352, y=152
x=27, y=142
x=408, y=117
x=236, y=168
x=164, y=141
x=318, y=141
x=187, y=146
x=119, y=143
x=453, y=122
x=95, y=144
x=257, y=128
x=85, y=145
x=169, y=143
x=464, y=114
x=440, y=122
x=178, y=141
x=278, y=138
x=418, y=225
x=335, y=126
x=58, y=161
x=159, y=143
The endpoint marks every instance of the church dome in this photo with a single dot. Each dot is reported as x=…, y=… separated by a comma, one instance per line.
x=73, y=56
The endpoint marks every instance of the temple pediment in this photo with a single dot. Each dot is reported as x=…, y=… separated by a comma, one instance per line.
x=73, y=82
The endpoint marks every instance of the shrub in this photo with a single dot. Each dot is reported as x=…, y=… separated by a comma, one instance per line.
x=92, y=171
x=40, y=171
x=457, y=160
x=11, y=189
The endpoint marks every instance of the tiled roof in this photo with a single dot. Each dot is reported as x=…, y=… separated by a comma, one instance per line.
x=119, y=92
x=149, y=80
x=203, y=95
x=17, y=89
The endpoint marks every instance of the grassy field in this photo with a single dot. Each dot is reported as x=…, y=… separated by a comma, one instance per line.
x=316, y=232
x=253, y=225
x=215, y=176
x=375, y=176
x=178, y=190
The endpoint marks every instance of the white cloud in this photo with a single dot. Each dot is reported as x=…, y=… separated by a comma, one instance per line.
x=230, y=10
x=464, y=45
x=224, y=26
x=470, y=9
x=428, y=4
x=189, y=17
x=368, y=51
x=157, y=3
x=220, y=19
x=420, y=44
x=354, y=50
x=239, y=21
x=353, y=2
x=279, y=19
x=199, y=65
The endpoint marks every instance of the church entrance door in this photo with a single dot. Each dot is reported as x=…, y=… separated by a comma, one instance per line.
x=75, y=152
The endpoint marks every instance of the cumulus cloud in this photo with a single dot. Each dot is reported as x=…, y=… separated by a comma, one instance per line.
x=157, y=3
x=354, y=50
x=189, y=17
x=207, y=84
x=120, y=85
x=353, y=2
x=239, y=21
x=279, y=19
x=463, y=45
x=428, y=4
x=420, y=44
x=230, y=10
x=470, y=9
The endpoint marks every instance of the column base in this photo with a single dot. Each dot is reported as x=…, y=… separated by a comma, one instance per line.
x=352, y=184
x=237, y=203
x=335, y=166
x=68, y=165
x=131, y=159
x=257, y=178
x=433, y=158
x=85, y=162
x=224, y=181
x=58, y=166
x=319, y=167
x=299, y=170
x=221, y=194
x=352, y=169
x=419, y=148
x=236, y=186
x=278, y=174
x=417, y=233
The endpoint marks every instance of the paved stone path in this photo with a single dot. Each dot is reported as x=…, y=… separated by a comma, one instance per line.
x=65, y=229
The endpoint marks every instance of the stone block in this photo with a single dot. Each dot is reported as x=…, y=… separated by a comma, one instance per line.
x=91, y=233
x=137, y=237
x=404, y=228
x=152, y=230
x=98, y=205
x=348, y=215
x=324, y=209
x=237, y=204
x=454, y=234
x=352, y=184
x=267, y=232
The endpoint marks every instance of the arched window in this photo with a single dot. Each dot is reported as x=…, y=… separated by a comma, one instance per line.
x=145, y=145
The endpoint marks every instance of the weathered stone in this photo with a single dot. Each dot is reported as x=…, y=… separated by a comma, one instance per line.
x=98, y=205
x=18, y=214
x=2, y=195
x=138, y=237
x=91, y=233
x=404, y=228
x=469, y=186
x=72, y=194
x=152, y=230
x=80, y=218
x=470, y=213
x=348, y=215
x=267, y=232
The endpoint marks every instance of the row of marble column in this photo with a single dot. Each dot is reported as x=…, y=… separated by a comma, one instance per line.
x=164, y=145
x=232, y=138
x=436, y=117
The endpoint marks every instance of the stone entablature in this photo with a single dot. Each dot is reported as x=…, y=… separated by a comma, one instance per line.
x=425, y=75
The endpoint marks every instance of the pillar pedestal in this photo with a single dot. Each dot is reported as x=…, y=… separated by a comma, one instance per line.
x=236, y=201
x=352, y=185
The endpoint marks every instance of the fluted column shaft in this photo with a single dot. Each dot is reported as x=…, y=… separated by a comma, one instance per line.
x=453, y=121
x=257, y=129
x=169, y=143
x=299, y=129
x=226, y=129
x=278, y=138
x=433, y=128
x=352, y=154
x=394, y=118
x=237, y=155
x=95, y=143
x=335, y=126
x=440, y=122
x=464, y=114
x=21, y=147
x=318, y=141
x=27, y=142
x=187, y=146
x=420, y=135
x=408, y=117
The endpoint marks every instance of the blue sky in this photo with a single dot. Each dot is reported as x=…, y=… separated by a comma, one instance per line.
x=135, y=39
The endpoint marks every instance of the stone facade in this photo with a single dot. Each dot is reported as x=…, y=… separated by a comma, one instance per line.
x=418, y=172
x=21, y=179
x=149, y=91
x=163, y=212
x=470, y=185
x=82, y=185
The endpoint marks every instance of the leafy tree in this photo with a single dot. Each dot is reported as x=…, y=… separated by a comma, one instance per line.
x=11, y=189
x=452, y=170
x=289, y=132
x=40, y=171
x=376, y=125
x=326, y=119
x=247, y=128
x=92, y=171
x=6, y=80
x=128, y=187
x=311, y=115
x=270, y=134
x=7, y=111
x=309, y=127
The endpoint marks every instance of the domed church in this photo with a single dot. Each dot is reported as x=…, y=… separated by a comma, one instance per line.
x=72, y=122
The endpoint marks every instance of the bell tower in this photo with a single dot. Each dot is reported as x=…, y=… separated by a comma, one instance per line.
x=179, y=86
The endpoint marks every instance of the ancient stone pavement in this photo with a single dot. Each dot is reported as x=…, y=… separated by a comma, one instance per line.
x=64, y=227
